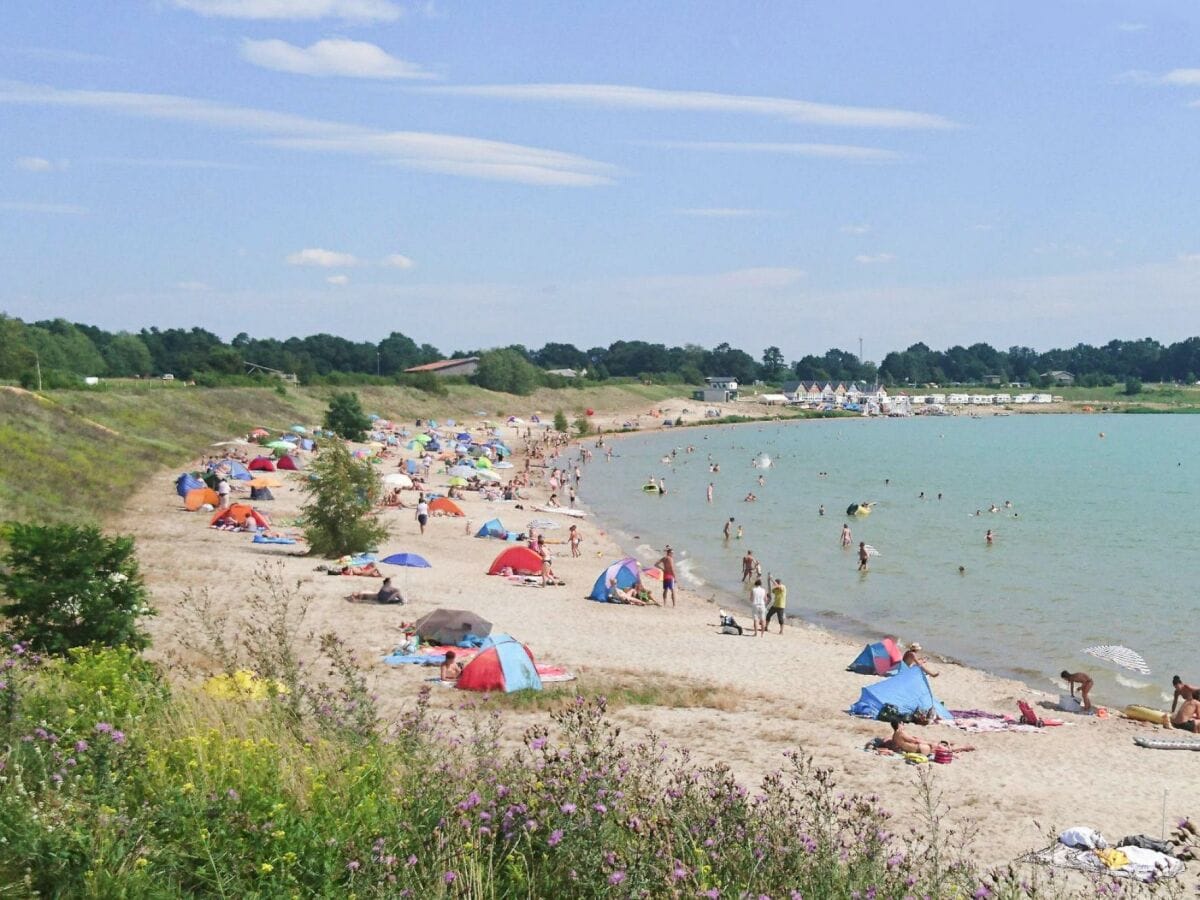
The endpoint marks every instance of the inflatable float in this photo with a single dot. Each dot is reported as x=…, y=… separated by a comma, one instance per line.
x=650, y=488
x=1167, y=744
x=858, y=509
x=1146, y=714
x=562, y=511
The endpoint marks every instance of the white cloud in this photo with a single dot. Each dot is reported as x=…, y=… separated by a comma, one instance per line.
x=53, y=209
x=338, y=280
x=326, y=259
x=821, y=151
x=724, y=212
x=38, y=164
x=397, y=261
x=171, y=163
x=192, y=286
x=1173, y=78
x=855, y=229
x=335, y=56
x=1132, y=26
x=432, y=152
x=350, y=10
x=870, y=259
x=627, y=97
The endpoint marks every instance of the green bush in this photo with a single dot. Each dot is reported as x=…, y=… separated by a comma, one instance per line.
x=70, y=586
x=1132, y=386
x=342, y=495
x=345, y=417
x=560, y=420
x=583, y=425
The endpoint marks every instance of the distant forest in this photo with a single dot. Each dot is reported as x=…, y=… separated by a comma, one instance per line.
x=64, y=352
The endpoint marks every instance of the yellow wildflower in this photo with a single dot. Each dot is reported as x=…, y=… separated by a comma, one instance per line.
x=266, y=868
x=142, y=862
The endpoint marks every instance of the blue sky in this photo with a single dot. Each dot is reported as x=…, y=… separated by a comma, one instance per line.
x=475, y=174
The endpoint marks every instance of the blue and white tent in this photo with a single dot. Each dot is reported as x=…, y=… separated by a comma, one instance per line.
x=908, y=690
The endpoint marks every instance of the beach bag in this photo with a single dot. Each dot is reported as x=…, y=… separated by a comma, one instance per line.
x=890, y=713
x=943, y=754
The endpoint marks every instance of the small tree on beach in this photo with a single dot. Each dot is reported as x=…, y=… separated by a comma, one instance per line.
x=560, y=420
x=71, y=586
x=1133, y=386
x=345, y=417
x=342, y=495
x=582, y=425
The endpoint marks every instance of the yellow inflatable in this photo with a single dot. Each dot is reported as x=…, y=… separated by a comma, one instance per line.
x=1146, y=714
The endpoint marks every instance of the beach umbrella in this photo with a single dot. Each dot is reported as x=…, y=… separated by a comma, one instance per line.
x=449, y=626
x=653, y=572
x=1121, y=656
x=423, y=438
x=408, y=560
x=259, y=432
x=483, y=463
x=278, y=445
x=264, y=483
x=397, y=479
x=463, y=436
x=464, y=471
x=299, y=429
x=457, y=481
x=487, y=475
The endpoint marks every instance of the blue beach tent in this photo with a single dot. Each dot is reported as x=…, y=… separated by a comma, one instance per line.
x=624, y=574
x=187, y=482
x=492, y=528
x=879, y=658
x=908, y=690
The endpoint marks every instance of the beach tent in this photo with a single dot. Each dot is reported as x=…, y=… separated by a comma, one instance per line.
x=261, y=493
x=444, y=507
x=521, y=560
x=287, y=462
x=908, y=690
x=187, y=482
x=450, y=626
x=231, y=468
x=624, y=574
x=878, y=658
x=197, y=497
x=238, y=513
x=492, y=528
x=261, y=464
x=504, y=664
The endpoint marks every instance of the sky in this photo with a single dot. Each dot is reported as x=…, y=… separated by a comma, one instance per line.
x=792, y=174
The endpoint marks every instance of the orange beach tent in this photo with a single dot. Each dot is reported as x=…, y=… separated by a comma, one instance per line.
x=444, y=507
x=238, y=513
x=197, y=497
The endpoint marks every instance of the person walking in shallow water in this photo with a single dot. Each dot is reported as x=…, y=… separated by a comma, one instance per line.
x=846, y=538
x=863, y=556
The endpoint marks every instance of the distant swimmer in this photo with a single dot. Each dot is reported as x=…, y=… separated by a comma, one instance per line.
x=993, y=508
x=761, y=481
x=939, y=495
x=921, y=496
x=863, y=556
x=750, y=498
x=728, y=527
x=710, y=491
x=821, y=510
x=1084, y=680
x=739, y=533
x=846, y=539
x=1008, y=504
x=962, y=570
x=989, y=537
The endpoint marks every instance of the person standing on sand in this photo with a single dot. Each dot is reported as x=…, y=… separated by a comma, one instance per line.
x=863, y=556
x=778, y=603
x=747, y=566
x=667, y=564
x=422, y=512
x=846, y=538
x=223, y=493
x=574, y=538
x=758, y=607
x=1084, y=680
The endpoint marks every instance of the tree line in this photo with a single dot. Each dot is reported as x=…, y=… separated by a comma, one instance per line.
x=62, y=352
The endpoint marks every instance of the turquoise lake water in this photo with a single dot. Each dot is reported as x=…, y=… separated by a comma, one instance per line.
x=1099, y=546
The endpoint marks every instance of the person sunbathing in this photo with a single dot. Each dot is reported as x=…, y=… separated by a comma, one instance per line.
x=1187, y=718
x=910, y=658
x=386, y=594
x=370, y=570
x=624, y=596
x=450, y=669
x=903, y=742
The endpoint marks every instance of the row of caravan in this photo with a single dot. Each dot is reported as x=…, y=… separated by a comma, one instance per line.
x=981, y=399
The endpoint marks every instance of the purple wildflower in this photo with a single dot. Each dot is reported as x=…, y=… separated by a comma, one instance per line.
x=568, y=808
x=616, y=877
x=103, y=728
x=118, y=737
x=412, y=860
x=537, y=743
x=450, y=877
x=600, y=808
x=232, y=794
x=555, y=838
x=354, y=865
x=81, y=746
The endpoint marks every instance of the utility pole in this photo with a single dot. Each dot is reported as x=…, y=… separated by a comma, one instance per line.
x=376, y=363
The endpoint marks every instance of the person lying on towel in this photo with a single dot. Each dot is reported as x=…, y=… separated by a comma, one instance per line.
x=387, y=594
x=903, y=742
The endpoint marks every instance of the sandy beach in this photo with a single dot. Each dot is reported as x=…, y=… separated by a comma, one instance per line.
x=774, y=693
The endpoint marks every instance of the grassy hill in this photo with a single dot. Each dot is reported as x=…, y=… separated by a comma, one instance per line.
x=76, y=455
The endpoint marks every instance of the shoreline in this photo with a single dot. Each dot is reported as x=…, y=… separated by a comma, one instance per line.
x=773, y=696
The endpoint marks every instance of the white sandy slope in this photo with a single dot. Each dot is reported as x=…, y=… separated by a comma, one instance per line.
x=781, y=692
